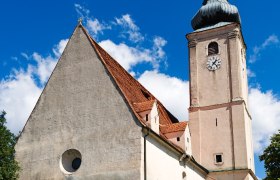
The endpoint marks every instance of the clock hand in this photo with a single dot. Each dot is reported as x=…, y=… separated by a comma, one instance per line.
x=215, y=61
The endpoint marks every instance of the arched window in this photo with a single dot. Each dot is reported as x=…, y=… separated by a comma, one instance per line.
x=213, y=48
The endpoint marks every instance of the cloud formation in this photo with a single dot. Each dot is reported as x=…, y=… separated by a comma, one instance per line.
x=271, y=40
x=81, y=11
x=171, y=91
x=126, y=54
x=265, y=110
x=129, y=28
x=129, y=56
x=18, y=95
x=21, y=90
x=250, y=73
x=59, y=48
x=94, y=26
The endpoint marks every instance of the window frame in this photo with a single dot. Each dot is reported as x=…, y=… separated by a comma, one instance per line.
x=215, y=159
x=218, y=48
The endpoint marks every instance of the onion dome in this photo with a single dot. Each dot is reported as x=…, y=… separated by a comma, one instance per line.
x=213, y=12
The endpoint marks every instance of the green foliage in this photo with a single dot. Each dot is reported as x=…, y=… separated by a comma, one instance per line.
x=9, y=168
x=271, y=158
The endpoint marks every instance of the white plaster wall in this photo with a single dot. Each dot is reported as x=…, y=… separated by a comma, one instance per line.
x=188, y=142
x=155, y=118
x=163, y=163
x=173, y=138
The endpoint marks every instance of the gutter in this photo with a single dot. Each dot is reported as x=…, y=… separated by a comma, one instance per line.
x=145, y=154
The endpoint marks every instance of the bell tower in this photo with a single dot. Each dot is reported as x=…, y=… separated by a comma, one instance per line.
x=220, y=122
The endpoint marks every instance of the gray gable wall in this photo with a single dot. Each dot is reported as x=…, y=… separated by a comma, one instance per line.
x=81, y=108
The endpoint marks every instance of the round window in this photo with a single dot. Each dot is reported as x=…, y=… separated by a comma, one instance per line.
x=70, y=161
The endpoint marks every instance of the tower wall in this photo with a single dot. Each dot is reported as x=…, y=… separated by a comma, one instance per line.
x=220, y=123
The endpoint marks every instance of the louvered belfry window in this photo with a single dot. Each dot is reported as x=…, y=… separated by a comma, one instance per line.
x=213, y=48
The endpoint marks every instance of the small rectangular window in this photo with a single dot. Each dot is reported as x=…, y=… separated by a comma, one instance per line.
x=178, y=138
x=216, y=122
x=219, y=159
x=147, y=117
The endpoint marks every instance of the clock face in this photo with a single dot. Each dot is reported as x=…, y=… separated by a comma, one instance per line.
x=214, y=63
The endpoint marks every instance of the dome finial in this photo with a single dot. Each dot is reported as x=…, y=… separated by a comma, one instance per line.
x=213, y=12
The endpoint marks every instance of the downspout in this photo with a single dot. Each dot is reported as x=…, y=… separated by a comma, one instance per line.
x=145, y=154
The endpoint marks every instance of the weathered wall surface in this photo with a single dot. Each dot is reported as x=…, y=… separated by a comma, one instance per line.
x=163, y=164
x=82, y=109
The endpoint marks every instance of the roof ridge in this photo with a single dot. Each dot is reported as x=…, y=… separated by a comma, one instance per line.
x=129, y=75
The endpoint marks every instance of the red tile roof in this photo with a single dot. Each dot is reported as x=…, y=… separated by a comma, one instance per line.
x=137, y=96
x=143, y=106
x=176, y=127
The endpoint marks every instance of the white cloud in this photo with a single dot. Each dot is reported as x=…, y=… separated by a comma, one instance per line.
x=125, y=55
x=18, y=95
x=271, y=40
x=159, y=42
x=94, y=26
x=59, y=48
x=81, y=11
x=44, y=67
x=265, y=110
x=171, y=91
x=25, y=56
x=250, y=73
x=130, y=28
x=130, y=56
x=21, y=90
x=127, y=22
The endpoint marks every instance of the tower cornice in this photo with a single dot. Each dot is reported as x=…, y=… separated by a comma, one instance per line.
x=231, y=30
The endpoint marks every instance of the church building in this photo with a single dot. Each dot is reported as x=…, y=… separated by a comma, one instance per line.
x=94, y=121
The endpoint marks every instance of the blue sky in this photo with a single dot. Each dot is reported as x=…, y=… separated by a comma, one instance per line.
x=147, y=38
